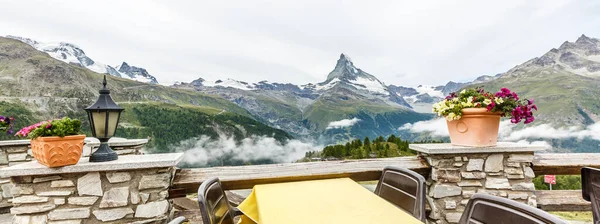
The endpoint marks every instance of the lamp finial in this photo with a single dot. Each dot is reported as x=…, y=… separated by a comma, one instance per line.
x=104, y=82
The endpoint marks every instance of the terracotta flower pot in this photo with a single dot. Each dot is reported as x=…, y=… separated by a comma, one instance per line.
x=477, y=127
x=57, y=151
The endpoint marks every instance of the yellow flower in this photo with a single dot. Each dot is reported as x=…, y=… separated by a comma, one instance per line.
x=463, y=91
x=450, y=116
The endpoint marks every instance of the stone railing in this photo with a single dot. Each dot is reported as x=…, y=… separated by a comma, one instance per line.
x=18, y=151
x=132, y=189
x=125, y=191
x=452, y=173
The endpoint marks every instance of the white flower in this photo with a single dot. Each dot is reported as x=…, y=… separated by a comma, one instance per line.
x=487, y=102
x=499, y=100
x=470, y=99
x=463, y=91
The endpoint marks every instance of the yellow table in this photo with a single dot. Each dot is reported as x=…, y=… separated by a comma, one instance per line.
x=320, y=201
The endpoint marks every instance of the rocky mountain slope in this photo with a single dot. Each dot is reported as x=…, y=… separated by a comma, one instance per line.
x=564, y=82
x=34, y=86
x=74, y=55
x=308, y=110
x=423, y=97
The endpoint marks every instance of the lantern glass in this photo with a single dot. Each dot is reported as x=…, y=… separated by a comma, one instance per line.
x=102, y=128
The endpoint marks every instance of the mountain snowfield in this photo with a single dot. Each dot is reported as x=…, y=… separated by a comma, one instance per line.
x=74, y=55
x=364, y=82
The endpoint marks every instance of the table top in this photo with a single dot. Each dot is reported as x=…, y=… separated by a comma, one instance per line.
x=321, y=201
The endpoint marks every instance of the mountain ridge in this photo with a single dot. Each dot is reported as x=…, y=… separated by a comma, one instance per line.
x=73, y=54
x=307, y=110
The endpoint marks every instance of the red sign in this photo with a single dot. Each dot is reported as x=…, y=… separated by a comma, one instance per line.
x=550, y=179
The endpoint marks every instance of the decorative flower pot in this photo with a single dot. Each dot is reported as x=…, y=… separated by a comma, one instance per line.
x=477, y=127
x=57, y=151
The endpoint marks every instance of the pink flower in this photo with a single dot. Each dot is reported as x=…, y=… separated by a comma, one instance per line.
x=491, y=106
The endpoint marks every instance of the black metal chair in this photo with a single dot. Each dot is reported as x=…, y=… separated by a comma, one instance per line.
x=590, y=189
x=214, y=205
x=403, y=188
x=489, y=209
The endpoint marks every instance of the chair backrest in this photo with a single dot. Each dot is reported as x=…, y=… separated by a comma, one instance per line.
x=403, y=188
x=590, y=189
x=489, y=209
x=214, y=206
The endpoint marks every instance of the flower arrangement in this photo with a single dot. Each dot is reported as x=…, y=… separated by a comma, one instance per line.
x=504, y=102
x=59, y=127
x=6, y=124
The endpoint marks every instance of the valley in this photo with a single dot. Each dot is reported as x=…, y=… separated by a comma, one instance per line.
x=47, y=80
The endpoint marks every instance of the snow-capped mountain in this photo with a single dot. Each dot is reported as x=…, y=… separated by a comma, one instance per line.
x=344, y=76
x=422, y=97
x=135, y=73
x=345, y=73
x=74, y=55
x=347, y=93
x=581, y=57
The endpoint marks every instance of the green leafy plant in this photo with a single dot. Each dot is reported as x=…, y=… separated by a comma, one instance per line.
x=59, y=127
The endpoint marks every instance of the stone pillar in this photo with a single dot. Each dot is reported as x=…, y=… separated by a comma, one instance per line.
x=132, y=189
x=459, y=172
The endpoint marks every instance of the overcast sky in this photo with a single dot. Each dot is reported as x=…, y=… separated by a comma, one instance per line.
x=400, y=42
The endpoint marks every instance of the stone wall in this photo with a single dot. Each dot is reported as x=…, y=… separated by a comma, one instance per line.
x=11, y=153
x=19, y=151
x=134, y=196
x=455, y=177
x=132, y=189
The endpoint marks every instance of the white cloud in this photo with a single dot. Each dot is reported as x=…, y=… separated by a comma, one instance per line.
x=299, y=41
x=510, y=132
x=435, y=127
x=201, y=150
x=548, y=131
x=342, y=123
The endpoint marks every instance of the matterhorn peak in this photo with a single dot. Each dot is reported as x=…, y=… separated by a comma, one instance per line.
x=346, y=73
x=345, y=57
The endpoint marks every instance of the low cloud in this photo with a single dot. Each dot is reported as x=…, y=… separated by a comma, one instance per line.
x=435, y=127
x=342, y=123
x=510, y=132
x=535, y=143
x=202, y=150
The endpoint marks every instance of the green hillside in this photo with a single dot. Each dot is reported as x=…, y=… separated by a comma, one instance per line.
x=35, y=86
x=168, y=124
x=563, y=98
x=30, y=75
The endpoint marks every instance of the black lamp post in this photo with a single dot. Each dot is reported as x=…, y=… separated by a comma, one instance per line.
x=104, y=117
